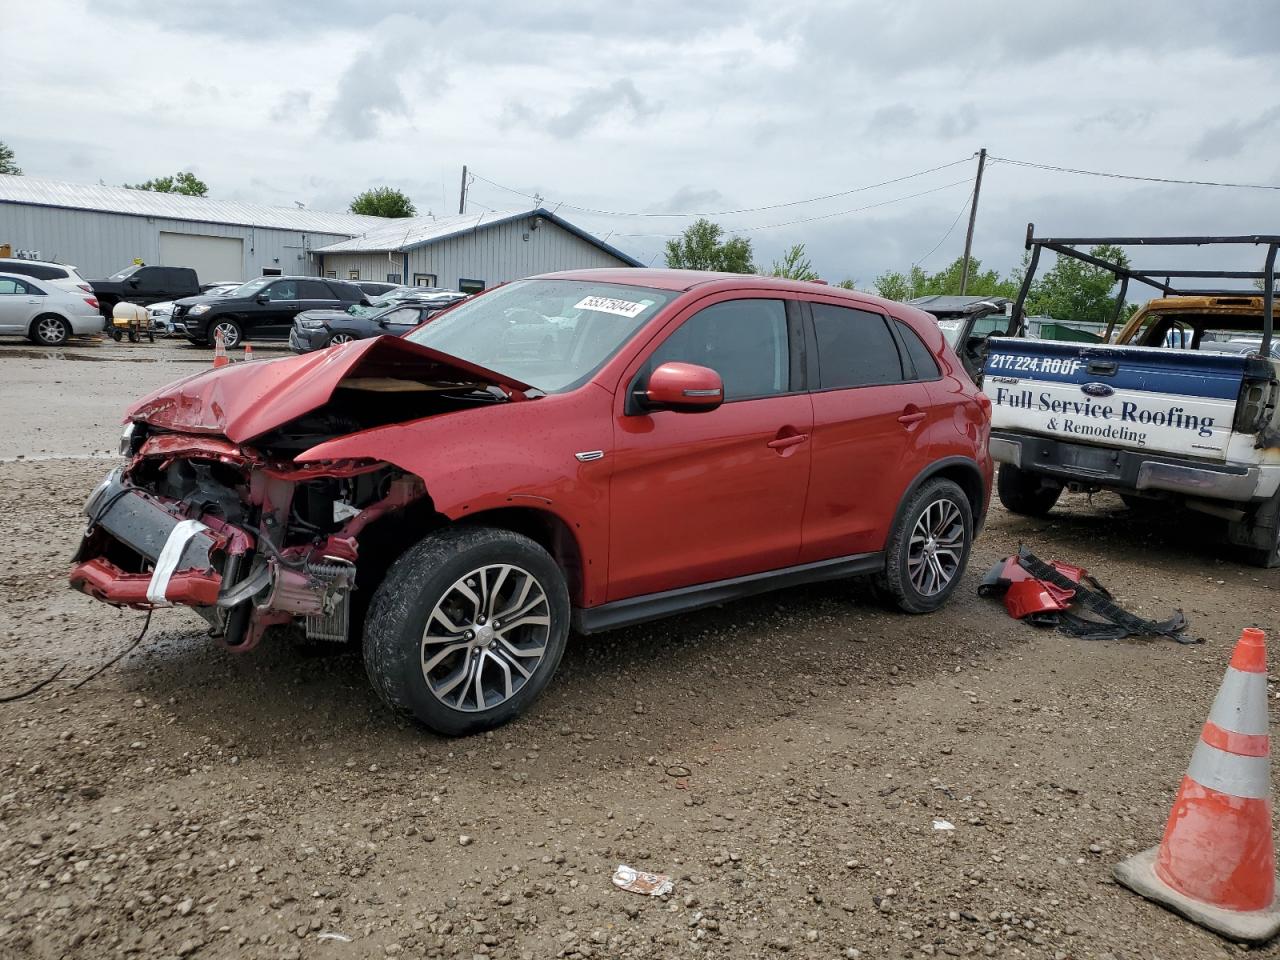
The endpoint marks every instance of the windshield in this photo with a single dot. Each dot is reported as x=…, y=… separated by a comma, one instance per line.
x=551, y=334
x=250, y=288
x=128, y=271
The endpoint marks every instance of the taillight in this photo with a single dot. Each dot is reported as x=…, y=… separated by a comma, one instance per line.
x=1259, y=395
x=91, y=301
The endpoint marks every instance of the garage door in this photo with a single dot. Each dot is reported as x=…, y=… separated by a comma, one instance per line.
x=214, y=258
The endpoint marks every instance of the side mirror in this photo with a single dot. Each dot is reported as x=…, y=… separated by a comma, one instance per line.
x=262, y=298
x=684, y=387
x=133, y=281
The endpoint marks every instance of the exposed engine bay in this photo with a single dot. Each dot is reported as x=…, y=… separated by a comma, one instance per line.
x=247, y=537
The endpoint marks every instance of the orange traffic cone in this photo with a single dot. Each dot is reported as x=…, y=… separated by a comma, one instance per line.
x=220, y=358
x=1216, y=863
x=248, y=351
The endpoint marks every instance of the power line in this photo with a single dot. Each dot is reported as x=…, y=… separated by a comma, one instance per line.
x=950, y=229
x=824, y=216
x=724, y=213
x=1128, y=176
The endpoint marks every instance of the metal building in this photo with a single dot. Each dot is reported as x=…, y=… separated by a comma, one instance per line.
x=101, y=229
x=468, y=252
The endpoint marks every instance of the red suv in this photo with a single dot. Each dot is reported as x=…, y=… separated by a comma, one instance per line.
x=464, y=496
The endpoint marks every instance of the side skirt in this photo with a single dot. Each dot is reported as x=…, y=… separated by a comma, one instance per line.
x=655, y=606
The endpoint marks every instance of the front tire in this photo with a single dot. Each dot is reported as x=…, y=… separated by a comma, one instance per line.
x=339, y=338
x=928, y=548
x=467, y=629
x=232, y=335
x=1026, y=494
x=50, y=331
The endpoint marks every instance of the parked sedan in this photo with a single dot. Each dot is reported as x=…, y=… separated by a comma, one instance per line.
x=43, y=313
x=317, y=329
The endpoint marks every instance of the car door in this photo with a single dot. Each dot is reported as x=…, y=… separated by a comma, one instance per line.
x=275, y=317
x=700, y=497
x=867, y=415
x=19, y=304
x=399, y=322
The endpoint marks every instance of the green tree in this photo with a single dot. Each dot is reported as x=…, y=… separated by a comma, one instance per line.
x=794, y=265
x=700, y=247
x=917, y=282
x=1074, y=290
x=183, y=182
x=383, y=202
x=7, y=163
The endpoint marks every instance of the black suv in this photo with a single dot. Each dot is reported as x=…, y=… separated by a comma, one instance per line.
x=262, y=309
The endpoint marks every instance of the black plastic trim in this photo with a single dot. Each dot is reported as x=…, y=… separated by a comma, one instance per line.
x=654, y=606
x=979, y=515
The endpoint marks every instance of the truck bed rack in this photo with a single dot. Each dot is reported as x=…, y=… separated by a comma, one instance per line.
x=1068, y=247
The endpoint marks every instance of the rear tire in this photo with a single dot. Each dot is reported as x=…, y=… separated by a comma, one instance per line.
x=426, y=638
x=1265, y=528
x=928, y=549
x=50, y=330
x=1026, y=493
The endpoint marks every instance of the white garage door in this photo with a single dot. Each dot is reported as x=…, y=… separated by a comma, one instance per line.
x=214, y=258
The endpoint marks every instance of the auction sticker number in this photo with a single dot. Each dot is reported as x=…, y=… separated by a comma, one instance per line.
x=621, y=308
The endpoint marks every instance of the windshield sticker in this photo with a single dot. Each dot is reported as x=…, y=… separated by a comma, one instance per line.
x=621, y=308
x=950, y=324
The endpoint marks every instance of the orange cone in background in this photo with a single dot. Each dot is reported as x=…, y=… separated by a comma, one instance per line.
x=1216, y=862
x=220, y=358
x=248, y=351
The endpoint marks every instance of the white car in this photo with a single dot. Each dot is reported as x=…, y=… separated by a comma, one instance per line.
x=61, y=275
x=160, y=314
x=44, y=313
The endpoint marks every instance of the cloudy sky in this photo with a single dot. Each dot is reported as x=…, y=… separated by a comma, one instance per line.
x=671, y=106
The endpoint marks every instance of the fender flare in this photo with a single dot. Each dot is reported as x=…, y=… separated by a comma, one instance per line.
x=969, y=465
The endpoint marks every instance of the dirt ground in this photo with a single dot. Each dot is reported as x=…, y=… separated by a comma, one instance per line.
x=784, y=759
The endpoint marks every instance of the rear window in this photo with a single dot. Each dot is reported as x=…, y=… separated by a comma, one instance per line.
x=855, y=348
x=926, y=367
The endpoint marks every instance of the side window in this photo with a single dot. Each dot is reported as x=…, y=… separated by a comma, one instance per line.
x=402, y=316
x=745, y=341
x=919, y=355
x=282, y=290
x=11, y=287
x=855, y=348
x=313, y=290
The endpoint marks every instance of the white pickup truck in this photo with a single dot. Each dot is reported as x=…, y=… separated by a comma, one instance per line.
x=1183, y=408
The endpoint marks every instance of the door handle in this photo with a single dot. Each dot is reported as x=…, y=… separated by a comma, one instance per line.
x=907, y=419
x=783, y=442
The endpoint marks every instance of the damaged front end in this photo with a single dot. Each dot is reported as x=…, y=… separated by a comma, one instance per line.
x=245, y=542
x=213, y=511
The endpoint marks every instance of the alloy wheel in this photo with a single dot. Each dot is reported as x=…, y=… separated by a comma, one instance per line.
x=230, y=334
x=341, y=338
x=485, y=637
x=937, y=545
x=51, y=330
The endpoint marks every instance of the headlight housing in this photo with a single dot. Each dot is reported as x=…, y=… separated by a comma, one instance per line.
x=126, y=440
x=198, y=309
x=310, y=324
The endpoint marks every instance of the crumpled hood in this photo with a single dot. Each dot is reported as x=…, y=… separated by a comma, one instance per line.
x=246, y=399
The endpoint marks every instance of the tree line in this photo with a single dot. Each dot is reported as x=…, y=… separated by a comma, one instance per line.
x=1069, y=290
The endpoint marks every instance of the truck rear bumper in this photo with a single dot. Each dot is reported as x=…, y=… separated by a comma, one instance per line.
x=1133, y=469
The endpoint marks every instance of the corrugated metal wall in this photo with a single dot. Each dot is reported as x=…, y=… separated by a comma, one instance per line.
x=99, y=244
x=493, y=255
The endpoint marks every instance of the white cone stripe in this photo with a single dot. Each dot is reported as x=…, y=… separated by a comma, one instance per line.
x=1248, y=777
x=1241, y=704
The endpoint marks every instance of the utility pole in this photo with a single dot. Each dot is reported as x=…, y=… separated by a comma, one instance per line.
x=462, y=193
x=973, y=216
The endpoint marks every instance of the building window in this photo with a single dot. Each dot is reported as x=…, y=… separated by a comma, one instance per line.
x=331, y=274
x=425, y=280
x=393, y=278
x=470, y=286
x=353, y=274
x=272, y=272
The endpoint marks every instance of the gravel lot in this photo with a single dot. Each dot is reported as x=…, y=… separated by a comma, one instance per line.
x=784, y=759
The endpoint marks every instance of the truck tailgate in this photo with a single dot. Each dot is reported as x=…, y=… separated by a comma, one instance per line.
x=1151, y=398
